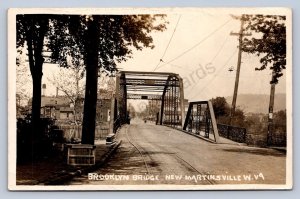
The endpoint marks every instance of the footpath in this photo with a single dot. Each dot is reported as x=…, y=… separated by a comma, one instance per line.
x=55, y=171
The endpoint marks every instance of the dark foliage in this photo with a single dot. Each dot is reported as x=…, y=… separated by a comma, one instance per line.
x=91, y=40
x=268, y=42
x=28, y=149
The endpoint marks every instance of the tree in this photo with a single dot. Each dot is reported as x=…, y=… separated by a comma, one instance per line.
x=239, y=118
x=268, y=42
x=31, y=32
x=222, y=112
x=100, y=41
x=22, y=83
x=221, y=107
x=34, y=32
x=22, y=89
x=70, y=81
x=280, y=121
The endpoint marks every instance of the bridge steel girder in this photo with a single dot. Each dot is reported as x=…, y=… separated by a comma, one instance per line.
x=114, y=120
x=143, y=96
x=163, y=102
x=117, y=95
x=121, y=97
x=124, y=101
x=145, y=82
x=181, y=100
x=214, y=122
x=151, y=84
x=208, y=115
x=172, y=100
x=155, y=74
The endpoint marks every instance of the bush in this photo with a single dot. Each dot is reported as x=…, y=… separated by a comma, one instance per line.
x=31, y=147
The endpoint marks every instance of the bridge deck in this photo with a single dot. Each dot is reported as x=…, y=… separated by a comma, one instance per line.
x=159, y=150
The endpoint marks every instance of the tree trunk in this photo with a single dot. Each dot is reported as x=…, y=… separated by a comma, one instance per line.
x=36, y=105
x=37, y=131
x=35, y=43
x=90, y=102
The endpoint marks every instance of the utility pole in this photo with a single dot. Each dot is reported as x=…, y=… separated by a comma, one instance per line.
x=240, y=34
x=271, y=108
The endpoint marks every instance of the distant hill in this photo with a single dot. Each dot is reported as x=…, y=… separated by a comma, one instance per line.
x=253, y=103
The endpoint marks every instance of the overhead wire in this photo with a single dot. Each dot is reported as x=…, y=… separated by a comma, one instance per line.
x=213, y=78
x=197, y=44
x=212, y=60
x=168, y=45
x=219, y=51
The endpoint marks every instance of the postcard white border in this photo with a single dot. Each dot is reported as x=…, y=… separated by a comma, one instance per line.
x=12, y=98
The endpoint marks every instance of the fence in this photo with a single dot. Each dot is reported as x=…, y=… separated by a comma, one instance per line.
x=233, y=133
x=73, y=132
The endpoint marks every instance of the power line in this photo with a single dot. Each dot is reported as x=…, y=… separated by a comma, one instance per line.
x=212, y=60
x=171, y=37
x=185, y=68
x=197, y=44
x=212, y=79
x=161, y=59
x=221, y=48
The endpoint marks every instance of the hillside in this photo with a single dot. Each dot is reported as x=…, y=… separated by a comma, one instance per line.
x=258, y=103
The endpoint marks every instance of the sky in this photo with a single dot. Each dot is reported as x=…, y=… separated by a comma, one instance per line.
x=210, y=52
x=198, y=46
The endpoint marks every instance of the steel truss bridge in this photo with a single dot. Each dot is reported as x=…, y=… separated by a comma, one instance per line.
x=167, y=89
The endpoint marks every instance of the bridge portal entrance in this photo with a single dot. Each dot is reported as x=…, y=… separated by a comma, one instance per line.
x=165, y=88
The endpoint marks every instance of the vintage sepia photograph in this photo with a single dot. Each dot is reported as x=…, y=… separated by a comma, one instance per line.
x=150, y=99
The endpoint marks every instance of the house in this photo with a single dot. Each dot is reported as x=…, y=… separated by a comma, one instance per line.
x=61, y=108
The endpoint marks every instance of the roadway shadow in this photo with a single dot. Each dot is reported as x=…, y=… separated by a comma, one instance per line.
x=257, y=151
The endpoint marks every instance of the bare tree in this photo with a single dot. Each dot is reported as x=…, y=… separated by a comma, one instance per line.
x=23, y=83
x=70, y=81
x=101, y=41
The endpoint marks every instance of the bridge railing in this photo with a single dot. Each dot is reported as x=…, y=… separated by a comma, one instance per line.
x=234, y=133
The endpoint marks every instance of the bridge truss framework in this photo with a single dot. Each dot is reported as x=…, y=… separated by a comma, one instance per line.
x=164, y=87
